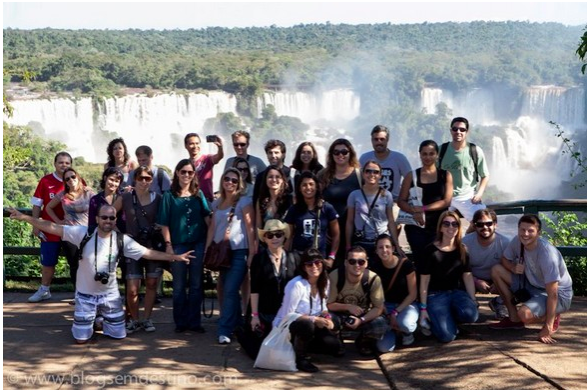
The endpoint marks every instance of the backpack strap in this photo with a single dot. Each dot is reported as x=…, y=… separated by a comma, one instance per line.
x=443, y=149
x=366, y=284
x=120, y=245
x=84, y=241
x=160, y=178
x=475, y=158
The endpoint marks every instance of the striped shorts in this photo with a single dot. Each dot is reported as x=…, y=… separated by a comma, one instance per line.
x=88, y=306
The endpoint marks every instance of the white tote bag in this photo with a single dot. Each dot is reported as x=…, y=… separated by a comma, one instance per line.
x=276, y=352
x=415, y=199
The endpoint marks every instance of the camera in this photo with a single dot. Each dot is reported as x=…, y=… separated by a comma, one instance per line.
x=521, y=296
x=102, y=277
x=211, y=138
x=350, y=320
x=145, y=234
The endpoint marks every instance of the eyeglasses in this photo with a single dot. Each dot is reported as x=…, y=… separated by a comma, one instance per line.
x=186, y=172
x=270, y=235
x=232, y=180
x=338, y=152
x=482, y=224
x=239, y=144
x=107, y=217
x=369, y=171
x=72, y=177
x=459, y=129
x=453, y=224
x=147, y=179
x=361, y=262
x=315, y=263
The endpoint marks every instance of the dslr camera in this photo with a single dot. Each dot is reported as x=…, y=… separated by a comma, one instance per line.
x=145, y=234
x=520, y=296
x=350, y=320
x=102, y=277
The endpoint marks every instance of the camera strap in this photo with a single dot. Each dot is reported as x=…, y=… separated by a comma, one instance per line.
x=138, y=206
x=522, y=277
x=96, y=254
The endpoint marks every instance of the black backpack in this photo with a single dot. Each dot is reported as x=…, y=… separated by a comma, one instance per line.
x=90, y=233
x=472, y=153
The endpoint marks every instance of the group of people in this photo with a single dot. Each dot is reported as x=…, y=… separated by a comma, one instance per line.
x=317, y=240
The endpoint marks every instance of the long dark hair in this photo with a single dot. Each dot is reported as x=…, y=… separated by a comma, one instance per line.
x=301, y=205
x=68, y=191
x=265, y=195
x=194, y=187
x=297, y=163
x=312, y=254
x=240, y=160
x=327, y=173
x=110, y=151
x=111, y=171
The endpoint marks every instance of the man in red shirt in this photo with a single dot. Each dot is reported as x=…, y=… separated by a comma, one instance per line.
x=49, y=186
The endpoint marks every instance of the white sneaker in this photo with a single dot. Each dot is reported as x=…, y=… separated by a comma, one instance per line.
x=223, y=340
x=407, y=339
x=40, y=296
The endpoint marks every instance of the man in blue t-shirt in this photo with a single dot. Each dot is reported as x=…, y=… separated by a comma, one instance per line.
x=531, y=264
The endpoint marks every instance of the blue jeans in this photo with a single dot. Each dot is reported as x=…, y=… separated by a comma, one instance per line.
x=446, y=309
x=407, y=321
x=232, y=279
x=187, y=304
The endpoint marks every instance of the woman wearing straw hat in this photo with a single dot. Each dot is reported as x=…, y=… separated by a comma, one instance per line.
x=271, y=269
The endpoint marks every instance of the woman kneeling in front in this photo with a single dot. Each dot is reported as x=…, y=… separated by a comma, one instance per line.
x=306, y=294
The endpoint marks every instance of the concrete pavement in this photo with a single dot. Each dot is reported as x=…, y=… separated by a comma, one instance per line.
x=39, y=352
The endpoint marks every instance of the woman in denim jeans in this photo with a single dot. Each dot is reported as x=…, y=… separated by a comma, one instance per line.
x=184, y=216
x=447, y=290
x=233, y=213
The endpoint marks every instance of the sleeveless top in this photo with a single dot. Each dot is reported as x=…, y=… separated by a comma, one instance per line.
x=432, y=192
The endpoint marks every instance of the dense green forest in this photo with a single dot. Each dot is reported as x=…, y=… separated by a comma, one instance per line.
x=399, y=58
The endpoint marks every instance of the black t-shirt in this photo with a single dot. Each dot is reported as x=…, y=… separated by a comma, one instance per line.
x=399, y=291
x=445, y=268
x=432, y=192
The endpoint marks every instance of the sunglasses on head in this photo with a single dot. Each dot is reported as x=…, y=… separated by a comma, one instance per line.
x=361, y=262
x=482, y=224
x=277, y=234
x=239, y=144
x=147, y=179
x=107, y=217
x=313, y=263
x=338, y=152
x=459, y=129
x=186, y=172
x=453, y=224
x=232, y=180
x=72, y=177
x=370, y=171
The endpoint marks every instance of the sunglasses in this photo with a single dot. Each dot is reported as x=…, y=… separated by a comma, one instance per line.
x=186, y=172
x=147, y=179
x=72, y=177
x=270, y=235
x=106, y=217
x=453, y=224
x=232, y=180
x=482, y=224
x=316, y=263
x=361, y=262
x=338, y=152
x=369, y=171
x=243, y=169
x=239, y=144
x=459, y=129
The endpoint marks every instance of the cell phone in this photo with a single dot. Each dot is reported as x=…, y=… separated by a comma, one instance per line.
x=211, y=138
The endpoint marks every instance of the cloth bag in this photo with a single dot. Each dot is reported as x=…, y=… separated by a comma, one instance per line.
x=415, y=199
x=276, y=352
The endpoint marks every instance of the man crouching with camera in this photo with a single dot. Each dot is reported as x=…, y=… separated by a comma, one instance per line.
x=97, y=287
x=356, y=300
x=533, y=281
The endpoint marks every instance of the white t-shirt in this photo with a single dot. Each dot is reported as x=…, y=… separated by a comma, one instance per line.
x=297, y=299
x=87, y=269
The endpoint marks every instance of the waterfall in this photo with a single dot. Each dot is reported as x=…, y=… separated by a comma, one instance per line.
x=334, y=105
x=565, y=106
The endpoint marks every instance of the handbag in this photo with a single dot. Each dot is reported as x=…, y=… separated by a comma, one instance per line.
x=414, y=199
x=276, y=352
x=522, y=294
x=219, y=254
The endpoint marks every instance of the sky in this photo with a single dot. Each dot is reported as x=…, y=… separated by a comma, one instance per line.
x=184, y=15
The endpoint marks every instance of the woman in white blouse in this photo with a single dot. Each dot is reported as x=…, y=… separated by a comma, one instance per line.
x=307, y=295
